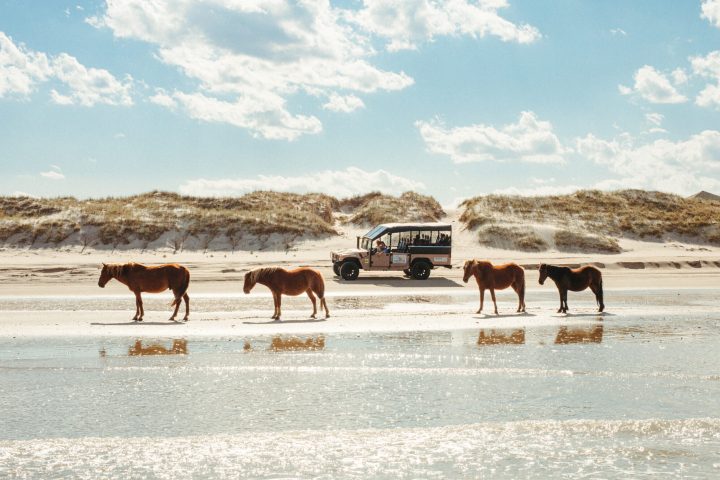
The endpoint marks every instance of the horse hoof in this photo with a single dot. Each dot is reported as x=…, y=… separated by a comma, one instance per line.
x=479, y=311
x=185, y=319
x=312, y=316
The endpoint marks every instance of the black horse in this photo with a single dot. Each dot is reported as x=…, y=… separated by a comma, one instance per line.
x=575, y=279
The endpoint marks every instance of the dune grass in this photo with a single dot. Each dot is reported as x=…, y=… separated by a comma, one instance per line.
x=572, y=241
x=163, y=219
x=625, y=213
x=376, y=208
x=511, y=238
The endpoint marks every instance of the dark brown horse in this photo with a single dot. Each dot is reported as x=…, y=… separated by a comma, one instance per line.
x=494, y=278
x=576, y=280
x=155, y=279
x=289, y=282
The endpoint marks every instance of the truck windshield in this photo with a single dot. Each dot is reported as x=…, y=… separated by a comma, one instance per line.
x=374, y=232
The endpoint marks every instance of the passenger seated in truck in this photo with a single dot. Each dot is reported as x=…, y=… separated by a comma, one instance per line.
x=381, y=247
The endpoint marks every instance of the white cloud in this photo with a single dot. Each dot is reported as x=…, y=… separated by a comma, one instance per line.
x=618, y=32
x=682, y=167
x=540, y=190
x=55, y=173
x=339, y=183
x=654, y=118
x=711, y=11
x=407, y=23
x=248, y=58
x=654, y=86
x=340, y=103
x=708, y=67
x=21, y=69
x=89, y=86
x=528, y=140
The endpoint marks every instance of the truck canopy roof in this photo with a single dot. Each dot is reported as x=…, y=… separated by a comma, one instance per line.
x=407, y=227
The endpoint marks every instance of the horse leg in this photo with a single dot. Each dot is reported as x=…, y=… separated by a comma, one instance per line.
x=312, y=299
x=492, y=294
x=279, y=301
x=520, y=294
x=323, y=304
x=560, y=291
x=177, y=302
x=482, y=300
x=187, y=307
x=597, y=290
x=275, y=302
x=565, y=292
x=140, y=305
x=137, y=306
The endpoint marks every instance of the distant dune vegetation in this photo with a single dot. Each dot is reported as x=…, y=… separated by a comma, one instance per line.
x=161, y=219
x=585, y=221
x=591, y=220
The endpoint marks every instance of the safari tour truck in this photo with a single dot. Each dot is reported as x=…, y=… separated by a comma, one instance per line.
x=412, y=248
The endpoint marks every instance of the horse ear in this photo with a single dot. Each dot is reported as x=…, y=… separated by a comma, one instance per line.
x=104, y=264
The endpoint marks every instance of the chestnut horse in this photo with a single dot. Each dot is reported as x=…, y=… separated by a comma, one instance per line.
x=290, y=282
x=154, y=279
x=496, y=278
x=575, y=279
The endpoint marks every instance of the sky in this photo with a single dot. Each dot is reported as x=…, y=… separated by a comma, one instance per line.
x=451, y=98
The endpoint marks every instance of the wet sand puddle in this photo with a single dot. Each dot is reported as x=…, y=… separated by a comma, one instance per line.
x=599, y=396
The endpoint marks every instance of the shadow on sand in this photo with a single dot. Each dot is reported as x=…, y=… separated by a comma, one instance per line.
x=169, y=322
x=309, y=320
x=596, y=314
x=483, y=316
x=401, y=282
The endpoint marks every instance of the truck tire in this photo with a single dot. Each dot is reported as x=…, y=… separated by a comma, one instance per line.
x=349, y=271
x=421, y=270
x=407, y=272
x=336, y=268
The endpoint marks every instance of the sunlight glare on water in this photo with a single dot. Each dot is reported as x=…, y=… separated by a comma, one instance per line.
x=607, y=398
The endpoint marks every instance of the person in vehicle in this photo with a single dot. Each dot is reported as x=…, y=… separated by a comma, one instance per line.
x=381, y=247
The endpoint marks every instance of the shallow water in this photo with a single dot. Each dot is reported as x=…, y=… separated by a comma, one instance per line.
x=607, y=398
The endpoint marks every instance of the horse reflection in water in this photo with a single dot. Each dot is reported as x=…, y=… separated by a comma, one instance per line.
x=179, y=347
x=579, y=335
x=293, y=344
x=499, y=337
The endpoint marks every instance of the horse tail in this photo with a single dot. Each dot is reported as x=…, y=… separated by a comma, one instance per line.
x=320, y=286
x=600, y=301
x=521, y=286
x=183, y=287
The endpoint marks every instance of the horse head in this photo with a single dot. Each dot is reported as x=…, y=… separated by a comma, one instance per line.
x=250, y=280
x=106, y=274
x=468, y=269
x=543, y=273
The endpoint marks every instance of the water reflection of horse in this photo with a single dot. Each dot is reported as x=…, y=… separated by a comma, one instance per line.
x=495, y=337
x=577, y=280
x=289, y=282
x=579, y=335
x=154, y=279
x=489, y=276
x=179, y=347
x=279, y=344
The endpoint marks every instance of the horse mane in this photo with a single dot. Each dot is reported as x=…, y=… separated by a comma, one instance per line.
x=119, y=269
x=260, y=274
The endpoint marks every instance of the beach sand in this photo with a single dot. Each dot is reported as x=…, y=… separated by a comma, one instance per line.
x=33, y=276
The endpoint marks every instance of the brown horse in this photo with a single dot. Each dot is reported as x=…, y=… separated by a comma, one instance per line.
x=155, y=279
x=575, y=279
x=496, y=278
x=290, y=282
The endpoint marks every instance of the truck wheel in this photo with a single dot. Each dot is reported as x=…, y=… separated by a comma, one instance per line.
x=349, y=271
x=407, y=272
x=420, y=270
x=336, y=268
